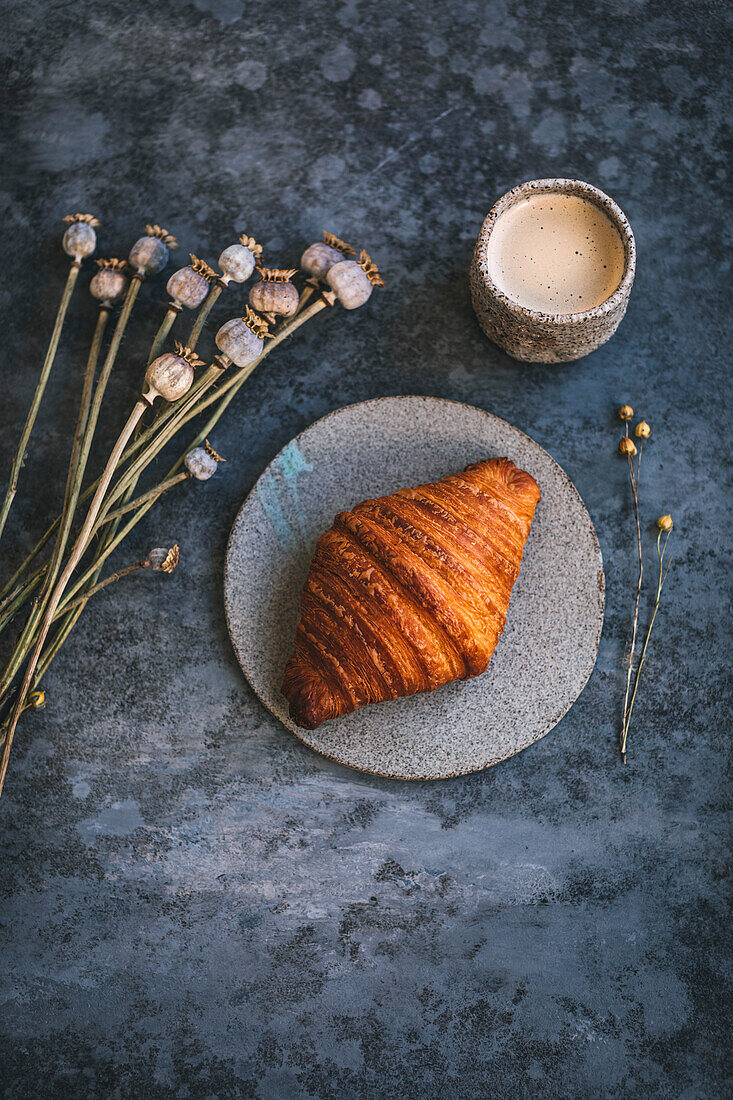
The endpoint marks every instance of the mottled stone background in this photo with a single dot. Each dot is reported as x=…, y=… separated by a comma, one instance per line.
x=194, y=904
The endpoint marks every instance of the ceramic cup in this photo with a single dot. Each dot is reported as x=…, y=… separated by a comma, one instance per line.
x=548, y=337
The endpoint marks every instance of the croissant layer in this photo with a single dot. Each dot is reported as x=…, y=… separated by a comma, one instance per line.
x=409, y=591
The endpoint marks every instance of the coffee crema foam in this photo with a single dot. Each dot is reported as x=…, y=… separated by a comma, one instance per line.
x=556, y=253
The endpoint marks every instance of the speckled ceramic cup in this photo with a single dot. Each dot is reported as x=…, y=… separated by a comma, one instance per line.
x=548, y=337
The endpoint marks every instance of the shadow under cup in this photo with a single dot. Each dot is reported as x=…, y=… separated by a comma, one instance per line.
x=549, y=337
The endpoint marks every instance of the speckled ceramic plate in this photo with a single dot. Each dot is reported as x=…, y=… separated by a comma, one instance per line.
x=550, y=641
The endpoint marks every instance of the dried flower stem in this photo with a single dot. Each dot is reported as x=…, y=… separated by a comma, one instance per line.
x=74, y=609
x=634, y=477
x=48, y=362
x=63, y=580
x=662, y=576
x=125, y=572
x=305, y=296
x=151, y=494
x=205, y=310
x=15, y=600
x=77, y=465
x=24, y=566
x=79, y=453
x=162, y=334
x=48, y=656
x=149, y=498
x=66, y=519
x=165, y=413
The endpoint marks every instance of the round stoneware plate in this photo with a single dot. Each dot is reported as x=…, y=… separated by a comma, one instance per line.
x=550, y=641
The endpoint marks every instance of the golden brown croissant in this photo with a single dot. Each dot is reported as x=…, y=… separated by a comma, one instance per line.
x=409, y=591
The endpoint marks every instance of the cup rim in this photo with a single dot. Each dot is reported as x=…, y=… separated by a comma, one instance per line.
x=570, y=186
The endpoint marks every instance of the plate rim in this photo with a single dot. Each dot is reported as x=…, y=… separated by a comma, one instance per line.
x=594, y=537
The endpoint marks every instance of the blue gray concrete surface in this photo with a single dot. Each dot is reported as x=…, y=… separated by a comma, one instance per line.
x=193, y=903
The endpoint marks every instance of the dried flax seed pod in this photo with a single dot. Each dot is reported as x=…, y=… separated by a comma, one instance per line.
x=110, y=283
x=80, y=240
x=242, y=340
x=237, y=262
x=319, y=258
x=170, y=375
x=189, y=285
x=150, y=253
x=274, y=295
x=352, y=282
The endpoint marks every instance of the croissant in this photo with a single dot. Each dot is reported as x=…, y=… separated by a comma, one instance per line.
x=410, y=591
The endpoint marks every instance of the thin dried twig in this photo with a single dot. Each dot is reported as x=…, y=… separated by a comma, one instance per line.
x=30, y=420
x=635, y=494
x=661, y=578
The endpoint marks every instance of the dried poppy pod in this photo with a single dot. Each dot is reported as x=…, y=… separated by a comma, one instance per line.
x=200, y=464
x=110, y=282
x=319, y=258
x=237, y=262
x=275, y=296
x=150, y=254
x=242, y=340
x=352, y=282
x=80, y=240
x=189, y=285
x=162, y=559
x=170, y=375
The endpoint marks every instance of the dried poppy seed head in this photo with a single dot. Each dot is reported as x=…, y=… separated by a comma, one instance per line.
x=642, y=430
x=242, y=338
x=664, y=523
x=319, y=258
x=200, y=464
x=627, y=446
x=163, y=559
x=150, y=253
x=171, y=376
x=190, y=285
x=626, y=412
x=237, y=262
x=275, y=295
x=350, y=283
x=110, y=282
x=80, y=240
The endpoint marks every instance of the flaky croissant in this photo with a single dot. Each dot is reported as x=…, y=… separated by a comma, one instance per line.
x=409, y=591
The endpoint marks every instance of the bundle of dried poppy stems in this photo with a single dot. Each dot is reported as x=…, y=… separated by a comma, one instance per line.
x=53, y=592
